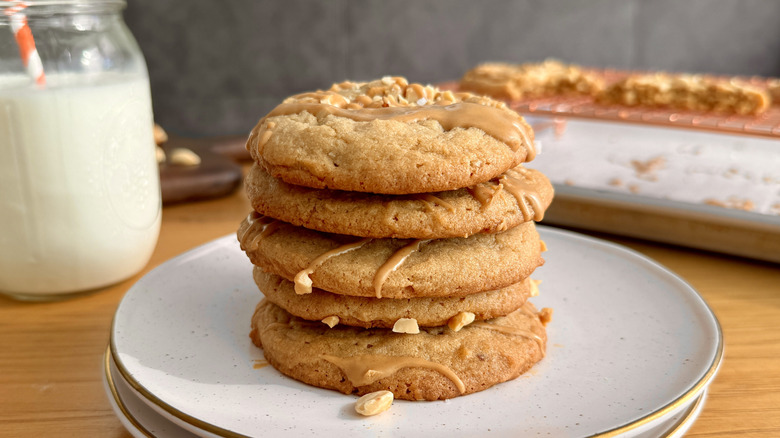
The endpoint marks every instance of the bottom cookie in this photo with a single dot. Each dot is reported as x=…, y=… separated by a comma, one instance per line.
x=438, y=363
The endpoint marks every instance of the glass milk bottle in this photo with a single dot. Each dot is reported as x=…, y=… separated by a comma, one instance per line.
x=79, y=185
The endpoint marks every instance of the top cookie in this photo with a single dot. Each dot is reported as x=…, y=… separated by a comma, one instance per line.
x=390, y=137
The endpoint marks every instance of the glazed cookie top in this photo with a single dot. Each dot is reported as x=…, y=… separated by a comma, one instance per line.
x=389, y=136
x=391, y=268
x=519, y=195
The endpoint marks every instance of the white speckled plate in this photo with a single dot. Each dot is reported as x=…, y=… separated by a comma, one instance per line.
x=630, y=346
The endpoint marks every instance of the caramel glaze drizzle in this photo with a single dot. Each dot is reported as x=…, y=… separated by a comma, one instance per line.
x=500, y=124
x=525, y=194
x=254, y=229
x=512, y=182
x=393, y=263
x=485, y=193
x=303, y=283
x=508, y=329
x=302, y=279
x=364, y=370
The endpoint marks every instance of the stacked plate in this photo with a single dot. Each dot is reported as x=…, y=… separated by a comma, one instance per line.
x=634, y=358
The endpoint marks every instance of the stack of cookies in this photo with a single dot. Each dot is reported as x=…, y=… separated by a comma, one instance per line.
x=393, y=239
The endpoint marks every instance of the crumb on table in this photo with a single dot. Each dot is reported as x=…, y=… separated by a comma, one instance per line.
x=732, y=202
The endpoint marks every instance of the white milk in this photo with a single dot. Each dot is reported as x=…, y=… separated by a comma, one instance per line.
x=79, y=186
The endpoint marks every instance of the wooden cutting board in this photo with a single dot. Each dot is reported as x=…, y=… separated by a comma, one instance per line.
x=218, y=174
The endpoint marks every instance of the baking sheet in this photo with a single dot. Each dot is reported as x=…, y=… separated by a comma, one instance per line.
x=707, y=190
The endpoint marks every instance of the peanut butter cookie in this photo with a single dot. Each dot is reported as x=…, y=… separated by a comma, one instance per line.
x=389, y=136
x=514, y=82
x=436, y=363
x=391, y=268
x=689, y=92
x=519, y=195
x=371, y=312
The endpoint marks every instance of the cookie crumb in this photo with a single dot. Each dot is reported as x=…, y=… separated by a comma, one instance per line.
x=732, y=202
x=648, y=169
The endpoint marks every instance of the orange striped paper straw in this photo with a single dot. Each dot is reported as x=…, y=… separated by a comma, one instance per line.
x=24, y=39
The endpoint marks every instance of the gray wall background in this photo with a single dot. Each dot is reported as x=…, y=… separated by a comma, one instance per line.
x=217, y=66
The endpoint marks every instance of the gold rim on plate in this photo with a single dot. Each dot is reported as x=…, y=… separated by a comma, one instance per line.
x=118, y=398
x=693, y=411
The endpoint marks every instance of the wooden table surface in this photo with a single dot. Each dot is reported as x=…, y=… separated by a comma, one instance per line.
x=50, y=353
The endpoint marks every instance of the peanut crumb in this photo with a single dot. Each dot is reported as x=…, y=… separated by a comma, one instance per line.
x=535, y=287
x=331, y=321
x=374, y=403
x=545, y=315
x=303, y=282
x=460, y=320
x=633, y=188
x=184, y=157
x=406, y=325
x=160, y=154
x=542, y=245
x=615, y=182
x=160, y=136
